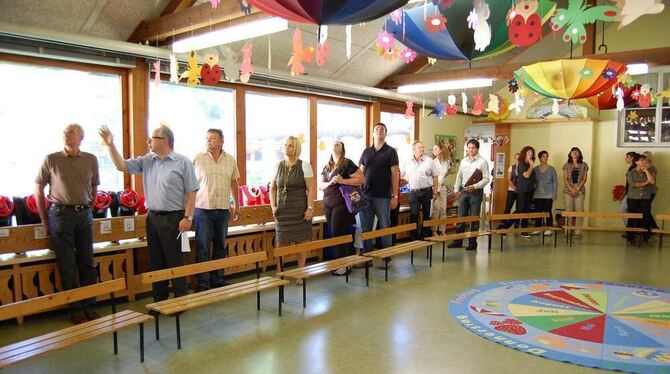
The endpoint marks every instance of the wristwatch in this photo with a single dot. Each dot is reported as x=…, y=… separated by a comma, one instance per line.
x=190, y=218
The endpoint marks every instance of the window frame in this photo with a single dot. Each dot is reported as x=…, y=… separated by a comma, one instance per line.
x=622, y=115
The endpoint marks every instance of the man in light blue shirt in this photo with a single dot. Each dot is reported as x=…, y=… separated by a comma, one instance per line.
x=170, y=187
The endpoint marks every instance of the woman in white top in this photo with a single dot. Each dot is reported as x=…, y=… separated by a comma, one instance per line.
x=442, y=163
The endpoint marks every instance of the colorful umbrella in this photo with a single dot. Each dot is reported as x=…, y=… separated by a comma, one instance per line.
x=457, y=41
x=607, y=100
x=328, y=12
x=570, y=79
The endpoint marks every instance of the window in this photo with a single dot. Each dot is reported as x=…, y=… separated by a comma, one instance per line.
x=639, y=125
x=190, y=112
x=400, y=133
x=269, y=120
x=343, y=122
x=37, y=103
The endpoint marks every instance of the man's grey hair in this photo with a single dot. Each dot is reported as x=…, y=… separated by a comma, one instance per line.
x=79, y=128
x=165, y=132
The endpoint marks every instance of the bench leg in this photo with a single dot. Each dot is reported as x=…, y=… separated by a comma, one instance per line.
x=501, y=242
x=542, y=237
x=280, y=297
x=304, y=293
x=178, y=331
x=116, y=343
x=555, y=238
x=490, y=242
x=660, y=241
x=141, y=342
x=346, y=275
x=429, y=249
x=411, y=257
x=258, y=300
x=443, y=250
x=158, y=335
x=367, y=274
x=386, y=269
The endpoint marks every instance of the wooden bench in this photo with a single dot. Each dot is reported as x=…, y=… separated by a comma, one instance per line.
x=312, y=270
x=570, y=228
x=451, y=221
x=661, y=231
x=386, y=253
x=174, y=307
x=41, y=345
x=519, y=216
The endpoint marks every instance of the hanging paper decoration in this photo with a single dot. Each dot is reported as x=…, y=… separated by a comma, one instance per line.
x=608, y=100
x=396, y=16
x=625, y=80
x=478, y=107
x=215, y=3
x=619, y=94
x=192, y=73
x=327, y=12
x=407, y=55
x=482, y=28
x=555, y=108
x=348, y=44
x=210, y=70
x=322, y=53
x=525, y=25
x=244, y=7
x=408, y=139
x=385, y=40
x=513, y=85
x=633, y=9
x=502, y=111
x=456, y=42
x=409, y=111
x=586, y=73
x=632, y=116
x=494, y=103
x=389, y=54
x=543, y=109
x=664, y=94
x=300, y=54
x=322, y=145
x=451, y=105
x=464, y=102
x=436, y=23
x=577, y=15
x=157, y=72
x=432, y=61
x=439, y=110
x=517, y=104
x=174, y=69
x=644, y=98
x=609, y=74
x=228, y=62
x=246, y=69
x=563, y=79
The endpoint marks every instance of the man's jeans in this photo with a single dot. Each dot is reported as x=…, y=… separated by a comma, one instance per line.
x=211, y=225
x=71, y=234
x=380, y=207
x=469, y=204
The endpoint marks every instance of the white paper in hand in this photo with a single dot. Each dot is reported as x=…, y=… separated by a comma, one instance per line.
x=185, y=245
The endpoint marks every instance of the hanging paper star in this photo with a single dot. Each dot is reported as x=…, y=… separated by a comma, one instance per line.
x=513, y=85
x=396, y=16
x=609, y=74
x=407, y=55
x=246, y=69
x=577, y=15
x=409, y=111
x=192, y=74
x=436, y=23
x=385, y=40
x=157, y=72
x=632, y=116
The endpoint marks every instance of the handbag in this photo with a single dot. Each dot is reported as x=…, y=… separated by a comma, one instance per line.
x=354, y=198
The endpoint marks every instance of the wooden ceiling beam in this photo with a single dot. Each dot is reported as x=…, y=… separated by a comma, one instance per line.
x=653, y=57
x=414, y=67
x=175, y=6
x=190, y=19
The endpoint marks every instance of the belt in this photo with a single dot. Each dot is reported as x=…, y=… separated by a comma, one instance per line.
x=421, y=189
x=165, y=212
x=76, y=208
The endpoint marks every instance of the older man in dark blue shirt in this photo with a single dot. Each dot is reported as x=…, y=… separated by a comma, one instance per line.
x=170, y=187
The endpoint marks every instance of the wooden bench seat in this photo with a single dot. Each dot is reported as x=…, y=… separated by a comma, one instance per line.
x=571, y=228
x=174, y=307
x=305, y=272
x=519, y=216
x=451, y=222
x=386, y=253
x=662, y=231
x=61, y=339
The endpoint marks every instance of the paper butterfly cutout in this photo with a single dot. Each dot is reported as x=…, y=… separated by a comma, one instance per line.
x=300, y=54
x=385, y=40
x=632, y=10
x=157, y=72
x=481, y=25
x=577, y=15
x=438, y=111
x=192, y=73
x=478, y=107
x=174, y=69
x=210, y=70
x=246, y=69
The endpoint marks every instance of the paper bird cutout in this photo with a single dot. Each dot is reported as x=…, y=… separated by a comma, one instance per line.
x=246, y=69
x=192, y=73
x=478, y=107
x=577, y=15
x=174, y=69
x=438, y=111
x=481, y=25
x=157, y=72
x=409, y=111
x=464, y=102
x=300, y=54
x=210, y=70
x=632, y=10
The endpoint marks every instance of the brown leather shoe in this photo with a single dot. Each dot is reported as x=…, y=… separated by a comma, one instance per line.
x=78, y=317
x=91, y=314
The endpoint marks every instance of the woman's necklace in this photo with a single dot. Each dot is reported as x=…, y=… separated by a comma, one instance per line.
x=289, y=168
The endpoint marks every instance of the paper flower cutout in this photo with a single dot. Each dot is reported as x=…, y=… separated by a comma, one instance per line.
x=192, y=73
x=609, y=74
x=436, y=23
x=389, y=55
x=407, y=55
x=577, y=15
x=385, y=40
x=586, y=73
x=439, y=110
x=632, y=116
x=513, y=85
x=396, y=16
x=409, y=111
x=625, y=80
x=632, y=10
x=157, y=72
x=246, y=69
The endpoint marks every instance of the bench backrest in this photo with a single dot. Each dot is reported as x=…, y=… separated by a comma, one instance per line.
x=607, y=215
x=450, y=221
x=515, y=216
x=310, y=246
x=663, y=217
x=38, y=304
x=202, y=267
x=388, y=231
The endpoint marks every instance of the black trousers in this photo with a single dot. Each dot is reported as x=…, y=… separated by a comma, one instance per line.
x=165, y=250
x=639, y=206
x=509, y=203
x=523, y=200
x=339, y=220
x=420, y=200
x=541, y=206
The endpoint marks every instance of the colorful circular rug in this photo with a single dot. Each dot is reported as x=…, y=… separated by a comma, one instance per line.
x=611, y=326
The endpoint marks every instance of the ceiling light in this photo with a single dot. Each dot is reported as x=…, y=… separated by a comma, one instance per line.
x=637, y=69
x=446, y=85
x=231, y=34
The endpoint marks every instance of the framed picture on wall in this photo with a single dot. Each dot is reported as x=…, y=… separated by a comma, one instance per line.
x=500, y=165
x=450, y=141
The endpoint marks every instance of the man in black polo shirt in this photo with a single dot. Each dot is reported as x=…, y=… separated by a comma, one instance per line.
x=379, y=163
